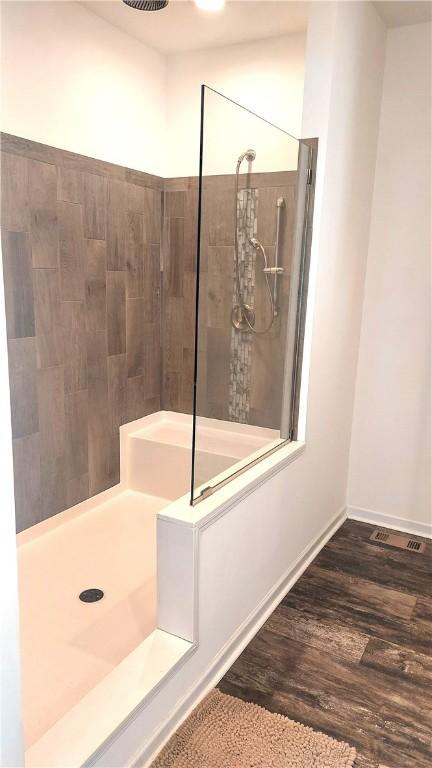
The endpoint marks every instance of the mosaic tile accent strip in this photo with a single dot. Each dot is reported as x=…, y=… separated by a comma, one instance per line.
x=241, y=341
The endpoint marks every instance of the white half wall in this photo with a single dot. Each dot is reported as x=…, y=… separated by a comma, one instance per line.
x=73, y=81
x=390, y=465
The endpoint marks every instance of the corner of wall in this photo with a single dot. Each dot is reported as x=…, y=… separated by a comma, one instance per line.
x=344, y=66
x=389, y=470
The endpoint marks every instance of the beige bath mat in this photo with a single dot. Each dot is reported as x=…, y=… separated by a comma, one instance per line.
x=225, y=732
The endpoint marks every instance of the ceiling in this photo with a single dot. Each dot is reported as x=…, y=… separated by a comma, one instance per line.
x=183, y=27
x=401, y=14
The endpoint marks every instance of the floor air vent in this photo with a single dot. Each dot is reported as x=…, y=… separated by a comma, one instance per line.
x=415, y=545
x=380, y=536
x=397, y=540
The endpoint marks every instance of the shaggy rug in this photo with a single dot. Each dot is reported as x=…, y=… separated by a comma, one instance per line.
x=225, y=732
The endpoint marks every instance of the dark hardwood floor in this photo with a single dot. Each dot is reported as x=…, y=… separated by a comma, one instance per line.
x=349, y=651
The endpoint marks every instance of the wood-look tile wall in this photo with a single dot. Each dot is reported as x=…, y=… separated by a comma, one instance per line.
x=97, y=335
x=81, y=262
x=216, y=287
x=179, y=241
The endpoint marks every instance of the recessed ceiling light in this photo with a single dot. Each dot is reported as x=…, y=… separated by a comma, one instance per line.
x=210, y=5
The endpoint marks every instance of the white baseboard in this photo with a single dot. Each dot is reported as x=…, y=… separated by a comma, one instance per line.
x=236, y=644
x=388, y=521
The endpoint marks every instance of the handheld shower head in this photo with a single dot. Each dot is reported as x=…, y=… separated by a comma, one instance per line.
x=255, y=243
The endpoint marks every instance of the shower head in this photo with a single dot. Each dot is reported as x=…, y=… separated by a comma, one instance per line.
x=249, y=155
x=147, y=5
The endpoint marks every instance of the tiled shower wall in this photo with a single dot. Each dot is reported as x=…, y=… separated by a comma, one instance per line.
x=179, y=242
x=86, y=304
x=267, y=352
x=81, y=260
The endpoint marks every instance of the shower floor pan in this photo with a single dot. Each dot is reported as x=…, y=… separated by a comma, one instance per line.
x=87, y=665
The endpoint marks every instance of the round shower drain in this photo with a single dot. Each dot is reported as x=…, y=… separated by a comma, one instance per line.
x=91, y=595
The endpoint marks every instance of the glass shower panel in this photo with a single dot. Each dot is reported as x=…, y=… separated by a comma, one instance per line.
x=251, y=232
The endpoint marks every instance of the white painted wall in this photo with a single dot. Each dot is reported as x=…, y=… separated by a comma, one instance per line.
x=390, y=467
x=113, y=98
x=72, y=80
x=266, y=77
x=245, y=555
